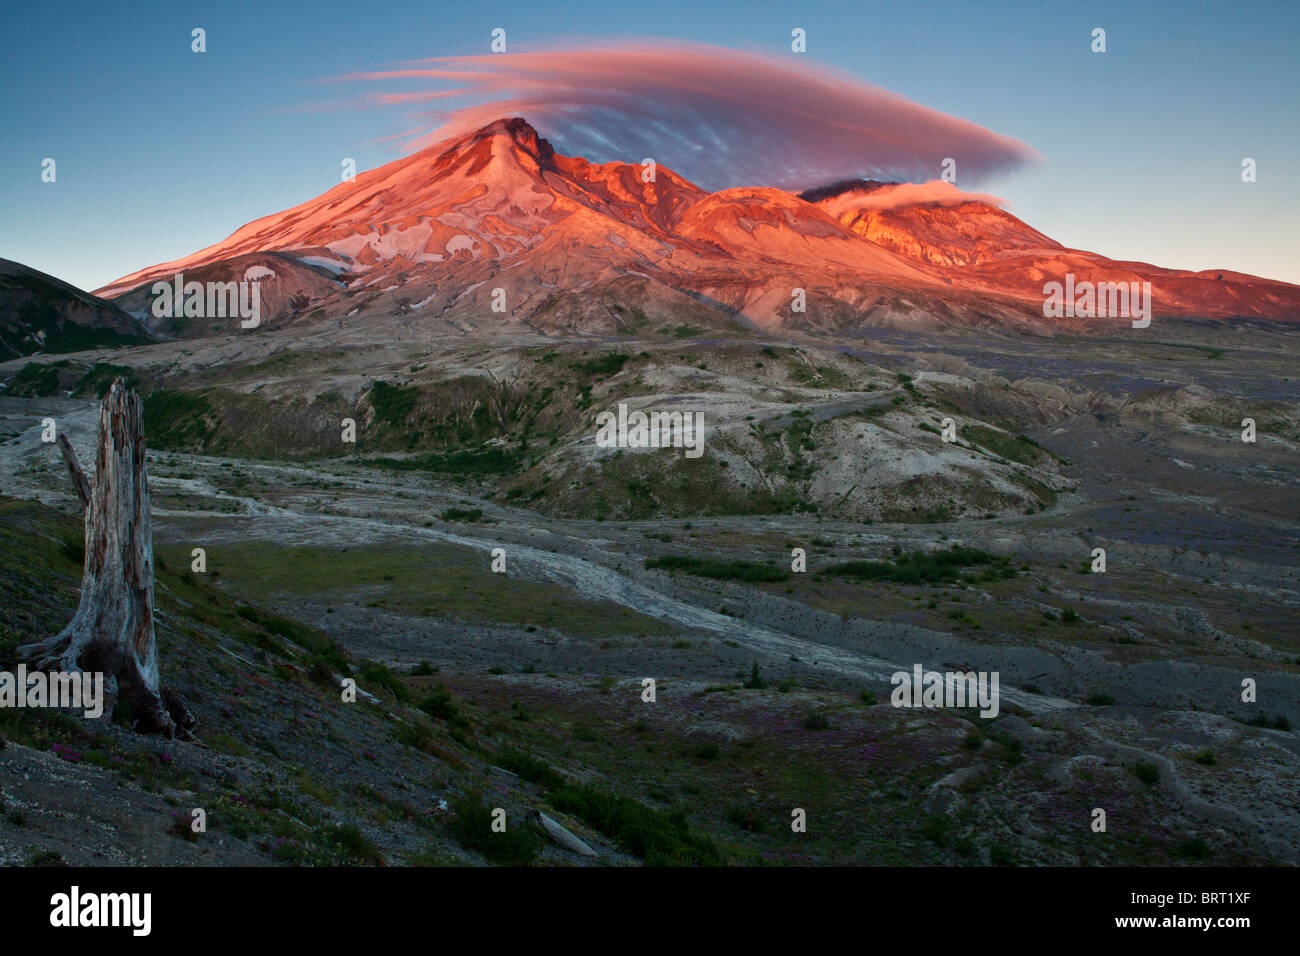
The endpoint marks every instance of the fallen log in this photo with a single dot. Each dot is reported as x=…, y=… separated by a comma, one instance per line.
x=560, y=835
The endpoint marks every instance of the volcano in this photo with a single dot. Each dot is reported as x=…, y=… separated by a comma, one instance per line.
x=497, y=223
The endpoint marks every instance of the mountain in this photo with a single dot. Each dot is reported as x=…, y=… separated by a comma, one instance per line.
x=605, y=247
x=39, y=313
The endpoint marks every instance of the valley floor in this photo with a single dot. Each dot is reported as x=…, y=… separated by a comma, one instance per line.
x=524, y=689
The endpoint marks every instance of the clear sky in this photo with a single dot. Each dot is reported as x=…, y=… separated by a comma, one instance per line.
x=161, y=151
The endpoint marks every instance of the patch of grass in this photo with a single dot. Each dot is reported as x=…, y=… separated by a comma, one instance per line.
x=100, y=379
x=447, y=581
x=374, y=674
x=683, y=331
x=179, y=421
x=606, y=366
x=935, y=567
x=661, y=839
x=483, y=461
x=37, y=379
x=530, y=768
x=1013, y=447
x=748, y=571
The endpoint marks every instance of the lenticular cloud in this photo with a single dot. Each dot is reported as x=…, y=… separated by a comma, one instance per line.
x=720, y=117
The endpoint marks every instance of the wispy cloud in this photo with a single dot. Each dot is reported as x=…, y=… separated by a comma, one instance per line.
x=718, y=116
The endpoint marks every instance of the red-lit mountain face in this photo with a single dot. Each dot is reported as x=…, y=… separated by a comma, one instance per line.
x=611, y=247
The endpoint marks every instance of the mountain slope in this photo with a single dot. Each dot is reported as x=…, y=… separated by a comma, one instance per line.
x=439, y=232
x=39, y=313
x=977, y=246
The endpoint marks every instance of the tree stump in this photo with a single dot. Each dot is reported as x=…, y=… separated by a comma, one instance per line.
x=113, y=629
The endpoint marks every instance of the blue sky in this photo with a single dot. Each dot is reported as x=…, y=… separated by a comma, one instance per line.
x=162, y=151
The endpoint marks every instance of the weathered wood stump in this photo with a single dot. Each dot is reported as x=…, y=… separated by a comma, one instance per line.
x=112, y=631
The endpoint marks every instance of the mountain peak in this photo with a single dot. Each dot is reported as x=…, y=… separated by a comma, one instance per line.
x=521, y=132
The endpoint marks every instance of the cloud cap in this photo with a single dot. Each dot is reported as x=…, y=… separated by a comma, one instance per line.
x=721, y=117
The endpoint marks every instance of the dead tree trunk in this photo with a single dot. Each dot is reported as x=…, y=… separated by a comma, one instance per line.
x=112, y=631
x=74, y=466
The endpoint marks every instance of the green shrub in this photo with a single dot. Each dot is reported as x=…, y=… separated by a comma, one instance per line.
x=439, y=703
x=604, y=367
x=748, y=571
x=471, y=825
x=379, y=675
x=816, y=721
x=530, y=768
x=392, y=404
x=661, y=839
x=1147, y=772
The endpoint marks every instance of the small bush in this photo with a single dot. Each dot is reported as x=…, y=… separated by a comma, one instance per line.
x=380, y=675
x=816, y=721
x=706, y=751
x=1147, y=772
x=471, y=825
x=439, y=704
